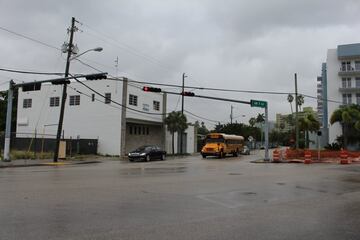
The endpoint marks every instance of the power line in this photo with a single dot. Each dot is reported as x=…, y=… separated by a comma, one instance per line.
x=210, y=120
x=29, y=38
x=115, y=101
x=168, y=85
x=30, y=72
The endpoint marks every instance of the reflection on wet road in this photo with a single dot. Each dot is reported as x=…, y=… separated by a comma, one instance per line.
x=181, y=198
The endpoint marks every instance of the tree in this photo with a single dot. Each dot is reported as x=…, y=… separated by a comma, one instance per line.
x=349, y=118
x=252, y=121
x=176, y=122
x=201, y=129
x=260, y=118
x=308, y=123
x=290, y=99
x=300, y=101
x=3, y=110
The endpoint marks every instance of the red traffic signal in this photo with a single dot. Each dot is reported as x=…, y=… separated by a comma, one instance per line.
x=151, y=89
x=189, y=94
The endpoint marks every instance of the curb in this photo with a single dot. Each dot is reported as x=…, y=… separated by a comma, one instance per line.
x=49, y=164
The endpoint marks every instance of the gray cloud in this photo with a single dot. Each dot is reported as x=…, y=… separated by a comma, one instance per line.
x=250, y=45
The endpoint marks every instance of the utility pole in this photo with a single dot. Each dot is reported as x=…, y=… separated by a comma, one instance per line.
x=296, y=114
x=231, y=114
x=266, y=134
x=8, y=122
x=182, y=110
x=63, y=99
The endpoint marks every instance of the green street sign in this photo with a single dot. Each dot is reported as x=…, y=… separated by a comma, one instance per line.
x=258, y=103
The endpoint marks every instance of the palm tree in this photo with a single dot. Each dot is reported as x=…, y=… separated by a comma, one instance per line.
x=176, y=122
x=290, y=99
x=308, y=123
x=349, y=118
x=252, y=121
x=300, y=101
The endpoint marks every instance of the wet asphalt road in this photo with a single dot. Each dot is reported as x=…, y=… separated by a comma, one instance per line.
x=184, y=198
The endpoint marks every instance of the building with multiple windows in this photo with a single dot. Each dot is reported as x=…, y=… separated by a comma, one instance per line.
x=341, y=83
x=122, y=118
x=285, y=122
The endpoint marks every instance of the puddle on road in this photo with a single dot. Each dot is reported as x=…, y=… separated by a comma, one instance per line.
x=150, y=171
x=351, y=179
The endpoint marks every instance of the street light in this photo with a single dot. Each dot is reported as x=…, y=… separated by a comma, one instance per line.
x=98, y=49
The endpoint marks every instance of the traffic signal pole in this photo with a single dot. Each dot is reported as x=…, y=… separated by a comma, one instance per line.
x=266, y=134
x=182, y=111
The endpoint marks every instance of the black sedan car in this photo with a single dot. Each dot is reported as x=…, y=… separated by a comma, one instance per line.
x=147, y=153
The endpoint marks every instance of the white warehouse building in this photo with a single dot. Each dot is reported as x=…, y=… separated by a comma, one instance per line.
x=88, y=115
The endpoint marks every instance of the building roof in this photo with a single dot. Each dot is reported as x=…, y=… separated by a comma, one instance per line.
x=348, y=50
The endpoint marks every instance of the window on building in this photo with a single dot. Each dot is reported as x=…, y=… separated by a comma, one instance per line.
x=343, y=66
x=357, y=65
x=343, y=83
x=348, y=83
x=348, y=66
x=156, y=105
x=146, y=107
x=130, y=130
x=147, y=131
x=344, y=96
x=27, y=103
x=107, y=98
x=349, y=100
x=93, y=97
x=357, y=83
x=133, y=99
x=74, y=100
x=135, y=130
x=358, y=98
x=54, y=101
x=143, y=130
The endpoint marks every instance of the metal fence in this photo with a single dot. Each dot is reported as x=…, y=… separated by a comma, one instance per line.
x=42, y=143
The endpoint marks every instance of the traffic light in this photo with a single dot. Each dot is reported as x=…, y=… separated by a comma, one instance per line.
x=27, y=87
x=96, y=76
x=60, y=81
x=151, y=89
x=188, y=94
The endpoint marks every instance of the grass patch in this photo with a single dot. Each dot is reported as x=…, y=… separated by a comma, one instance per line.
x=16, y=154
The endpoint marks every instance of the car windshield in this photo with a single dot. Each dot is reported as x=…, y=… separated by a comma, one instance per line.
x=143, y=148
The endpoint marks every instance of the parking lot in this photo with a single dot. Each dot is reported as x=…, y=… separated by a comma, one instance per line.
x=181, y=198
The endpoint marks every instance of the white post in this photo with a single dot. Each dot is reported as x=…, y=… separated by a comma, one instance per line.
x=266, y=133
x=8, y=123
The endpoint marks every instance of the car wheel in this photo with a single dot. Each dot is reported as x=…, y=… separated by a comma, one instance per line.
x=131, y=160
x=163, y=156
x=203, y=156
x=147, y=158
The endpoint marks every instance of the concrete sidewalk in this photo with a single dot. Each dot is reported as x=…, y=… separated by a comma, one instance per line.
x=44, y=162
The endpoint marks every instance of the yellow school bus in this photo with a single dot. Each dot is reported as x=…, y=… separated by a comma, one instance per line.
x=220, y=144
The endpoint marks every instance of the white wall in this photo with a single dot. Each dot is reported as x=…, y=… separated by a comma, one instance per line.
x=95, y=120
x=190, y=141
x=144, y=98
x=333, y=84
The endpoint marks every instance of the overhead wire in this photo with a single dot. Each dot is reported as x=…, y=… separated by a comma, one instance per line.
x=132, y=109
x=30, y=72
x=29, y=38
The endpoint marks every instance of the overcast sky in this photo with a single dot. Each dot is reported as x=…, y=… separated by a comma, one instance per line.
x=234, y=44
